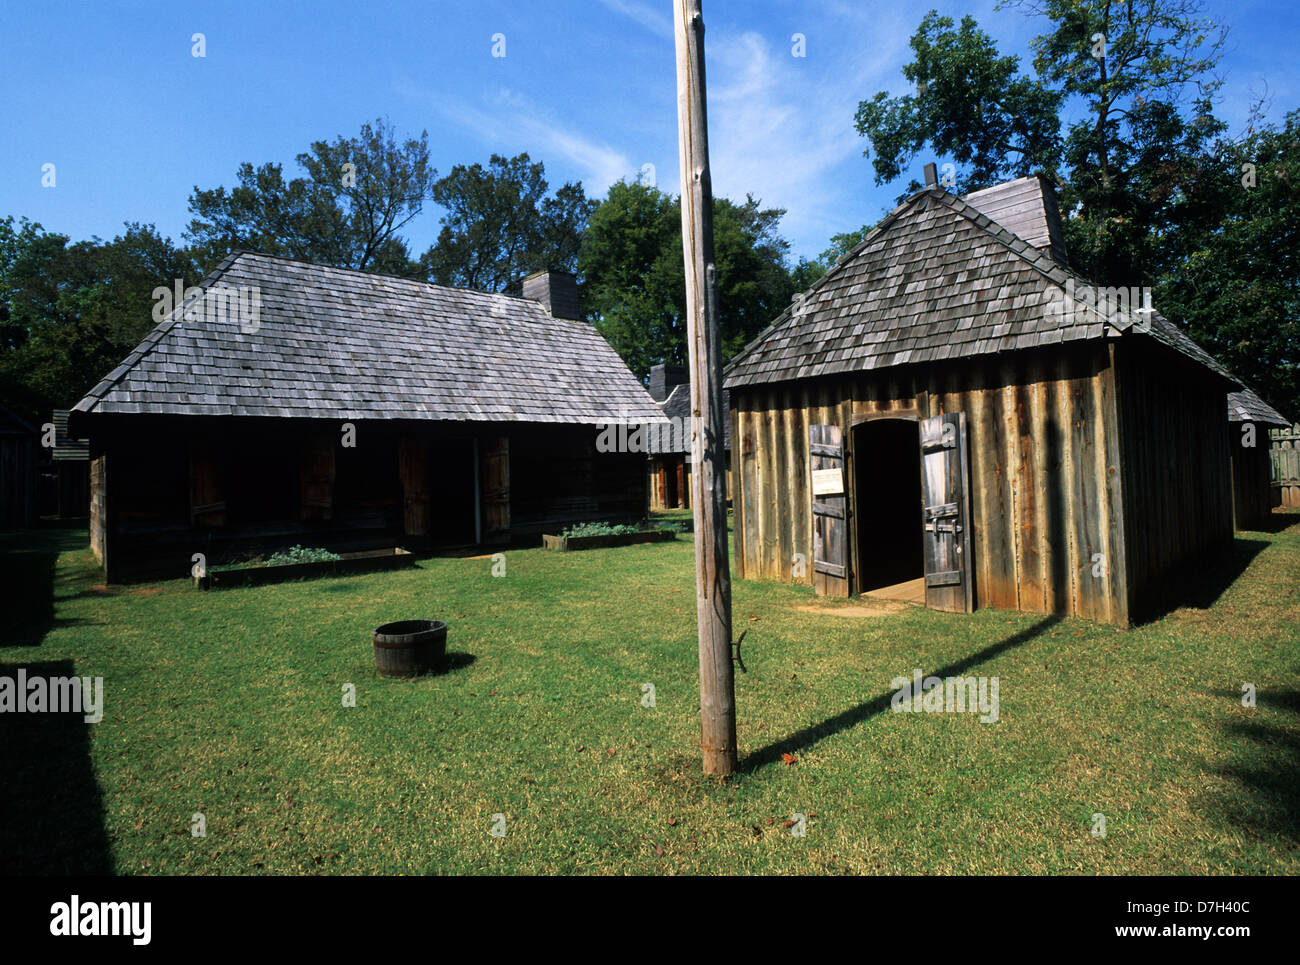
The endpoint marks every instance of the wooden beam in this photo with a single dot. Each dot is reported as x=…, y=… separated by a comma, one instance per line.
x=708, y=497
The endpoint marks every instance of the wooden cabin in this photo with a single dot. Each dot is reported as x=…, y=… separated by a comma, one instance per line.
x=349, y=411
x=1249, y=420
x=19, y=444
x=669, y=463
x=947, y=415
x=65, y=474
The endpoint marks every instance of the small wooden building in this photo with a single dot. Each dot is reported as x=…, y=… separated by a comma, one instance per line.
x=65, y=473
x=669, y=464
x=948, y=413
x=1249, y=420
x=19, y=443
x=349, y=411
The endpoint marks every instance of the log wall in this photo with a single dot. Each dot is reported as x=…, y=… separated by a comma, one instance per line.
x=1177, y=476
x=1045, y=492
x=228, y=487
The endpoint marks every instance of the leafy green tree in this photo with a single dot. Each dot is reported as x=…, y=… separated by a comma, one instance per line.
x=1238, y=288
x=356, y=196
x=1140, y=73
x=969, y=104
x=501, y=224
x=634, y=276
x=1144, y=72
x=72, y=311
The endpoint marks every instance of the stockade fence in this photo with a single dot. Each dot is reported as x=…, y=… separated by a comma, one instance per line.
x=1284, y=456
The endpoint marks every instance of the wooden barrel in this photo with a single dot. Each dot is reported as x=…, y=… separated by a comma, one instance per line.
x=409, y=648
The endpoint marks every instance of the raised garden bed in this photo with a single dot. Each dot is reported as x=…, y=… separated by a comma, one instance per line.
x=366, y=561
x=616, y=539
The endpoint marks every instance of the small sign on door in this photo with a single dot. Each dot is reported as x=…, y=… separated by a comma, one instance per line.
x=828, y=482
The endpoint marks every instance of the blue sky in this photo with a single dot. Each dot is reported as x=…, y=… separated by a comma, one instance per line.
x=111, y=95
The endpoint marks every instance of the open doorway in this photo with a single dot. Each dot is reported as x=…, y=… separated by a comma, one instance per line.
x=451, y=493
x=887, y=517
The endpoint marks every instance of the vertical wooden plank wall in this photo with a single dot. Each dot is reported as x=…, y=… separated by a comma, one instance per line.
x=1177, y=477
x=1252, y=501
x=1045, y=480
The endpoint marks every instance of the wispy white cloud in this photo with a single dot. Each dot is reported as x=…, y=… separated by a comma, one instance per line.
x=652, y=18
x=781, y=126
x=510, y=122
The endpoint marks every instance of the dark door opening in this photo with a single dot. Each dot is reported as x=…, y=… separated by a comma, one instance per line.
x=451, y=493
x=887, y=477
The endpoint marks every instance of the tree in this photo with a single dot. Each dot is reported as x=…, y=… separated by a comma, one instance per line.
x=634, y=279
x=357, y=195
x=72, y=311
x=1238, y=289
x=501, y=225
x=970, y=104
x=1137, y=154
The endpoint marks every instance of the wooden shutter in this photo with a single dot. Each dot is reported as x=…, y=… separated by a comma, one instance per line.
x=496, y=490
x=830, y=511
x=316, y=479
x=207, y=489
x=413, y=467
x=946, y=513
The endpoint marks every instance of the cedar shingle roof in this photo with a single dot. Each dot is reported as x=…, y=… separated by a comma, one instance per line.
x=1246, y=406
x=337, y=343
x=677, y=408
x=935, y=280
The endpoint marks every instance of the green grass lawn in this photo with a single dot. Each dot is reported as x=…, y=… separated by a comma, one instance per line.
x=229, y=704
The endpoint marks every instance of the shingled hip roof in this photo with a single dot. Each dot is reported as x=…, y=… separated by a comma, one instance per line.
x=937, y=280
x=343, y=344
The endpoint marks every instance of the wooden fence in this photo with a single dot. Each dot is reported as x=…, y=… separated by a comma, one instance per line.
x=1285, y=458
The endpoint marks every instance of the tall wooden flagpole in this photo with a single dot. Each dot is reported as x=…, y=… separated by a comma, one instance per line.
x=708, y=476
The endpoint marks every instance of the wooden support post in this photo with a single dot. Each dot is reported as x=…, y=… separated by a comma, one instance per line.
x=708, y=497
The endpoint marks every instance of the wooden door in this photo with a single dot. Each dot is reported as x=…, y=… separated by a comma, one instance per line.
x=829, y=511
x=495, y=499
x=207, y=484
x=316, y=479
x=946, y=513
x=413, y=467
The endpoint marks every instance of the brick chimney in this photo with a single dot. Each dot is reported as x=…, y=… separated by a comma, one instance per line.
x=664, y=378
x=557, y=291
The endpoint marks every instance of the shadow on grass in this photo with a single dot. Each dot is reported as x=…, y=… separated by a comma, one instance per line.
x=456, y=660
x=1266, y=771
x=1200, y=583
x=803, y=739
x=1276, y=521
x=51, y=810
x=28, y=560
